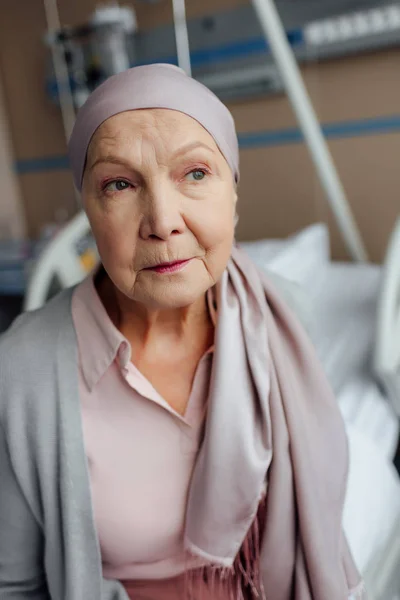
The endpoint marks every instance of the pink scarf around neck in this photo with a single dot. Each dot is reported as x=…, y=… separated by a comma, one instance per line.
x=273, y=428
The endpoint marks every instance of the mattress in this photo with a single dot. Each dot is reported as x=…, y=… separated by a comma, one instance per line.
x=382, y=576
x=365, y=407
x=344, y=302
x=372, y=507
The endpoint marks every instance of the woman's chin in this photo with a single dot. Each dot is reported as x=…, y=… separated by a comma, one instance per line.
x=170, y=295
x=167, y=291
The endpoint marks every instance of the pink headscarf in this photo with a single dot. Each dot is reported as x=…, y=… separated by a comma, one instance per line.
x=153, y=86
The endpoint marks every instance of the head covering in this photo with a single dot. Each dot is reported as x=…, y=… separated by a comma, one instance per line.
x=153, y=86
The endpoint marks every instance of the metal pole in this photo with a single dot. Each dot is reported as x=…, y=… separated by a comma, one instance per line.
x=181, y=36
x=303, y=108
x=62, y=75
x=60, y=69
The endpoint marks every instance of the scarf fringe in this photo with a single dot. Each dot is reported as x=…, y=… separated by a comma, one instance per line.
x=243, y=580
x=358, y=593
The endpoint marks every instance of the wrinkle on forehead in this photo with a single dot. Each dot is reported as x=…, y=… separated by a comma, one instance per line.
x=156, y=132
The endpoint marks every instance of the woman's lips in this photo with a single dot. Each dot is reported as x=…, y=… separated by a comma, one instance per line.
x=171, y=267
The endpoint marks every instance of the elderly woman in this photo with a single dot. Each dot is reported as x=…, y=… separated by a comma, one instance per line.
x=166, y=430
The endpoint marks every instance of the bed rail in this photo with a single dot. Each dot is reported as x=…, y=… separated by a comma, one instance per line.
x=386, y=358
x=60, y=259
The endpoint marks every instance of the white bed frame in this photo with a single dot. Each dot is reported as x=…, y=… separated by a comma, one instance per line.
x=60, y=260
x=386, y=359
x=383, y=577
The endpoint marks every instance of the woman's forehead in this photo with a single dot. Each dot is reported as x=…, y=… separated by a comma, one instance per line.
x=151, y=122
x=164, y=128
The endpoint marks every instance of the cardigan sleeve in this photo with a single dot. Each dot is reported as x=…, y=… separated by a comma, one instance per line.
x=21, y=540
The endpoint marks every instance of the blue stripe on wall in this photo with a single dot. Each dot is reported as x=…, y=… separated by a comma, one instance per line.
x=347, y=129
x=46, y=163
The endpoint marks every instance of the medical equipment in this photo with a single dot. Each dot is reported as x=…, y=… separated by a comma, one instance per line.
x=60, y=67
x=230, y=55
x=85, y=56
x=310, y=126
x=181, y=36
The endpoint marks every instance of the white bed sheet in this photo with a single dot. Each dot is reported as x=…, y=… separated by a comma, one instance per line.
x=366, y=408
x=372, y=508
x=344, y=301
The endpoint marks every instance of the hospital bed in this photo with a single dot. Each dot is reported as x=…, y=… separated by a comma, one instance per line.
x=352, y=319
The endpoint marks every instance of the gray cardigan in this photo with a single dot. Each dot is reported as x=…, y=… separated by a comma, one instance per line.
x=48, y=543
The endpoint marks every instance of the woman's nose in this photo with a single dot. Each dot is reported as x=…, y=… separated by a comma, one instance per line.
x=161, y=216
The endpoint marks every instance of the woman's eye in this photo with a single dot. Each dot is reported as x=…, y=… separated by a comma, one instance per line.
x=119, y=185
x=196, y=175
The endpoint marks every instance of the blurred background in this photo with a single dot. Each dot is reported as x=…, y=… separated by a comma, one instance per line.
x=331, y=228
x=353, y=82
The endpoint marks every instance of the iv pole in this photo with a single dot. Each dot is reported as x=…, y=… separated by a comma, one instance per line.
x=309, y=124
x=181, y=36
x=62, y=76
x=60, y=68
x=275, y=35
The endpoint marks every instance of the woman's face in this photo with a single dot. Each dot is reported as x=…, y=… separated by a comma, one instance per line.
x=157, y=191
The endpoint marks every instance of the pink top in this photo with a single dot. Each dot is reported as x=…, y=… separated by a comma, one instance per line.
x=141, y=453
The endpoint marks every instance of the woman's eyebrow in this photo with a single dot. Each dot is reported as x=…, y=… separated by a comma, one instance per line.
x=117, y=160
x=113, y=159
x=192, y=146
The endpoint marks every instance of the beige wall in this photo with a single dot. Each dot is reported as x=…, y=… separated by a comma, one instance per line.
x=35, y=123
x=279, y=192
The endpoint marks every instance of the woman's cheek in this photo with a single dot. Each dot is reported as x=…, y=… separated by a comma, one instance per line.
x=215, y=227
x=114, y=243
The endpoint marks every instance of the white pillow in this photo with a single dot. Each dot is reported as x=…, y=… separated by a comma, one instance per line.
x=296, y=258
